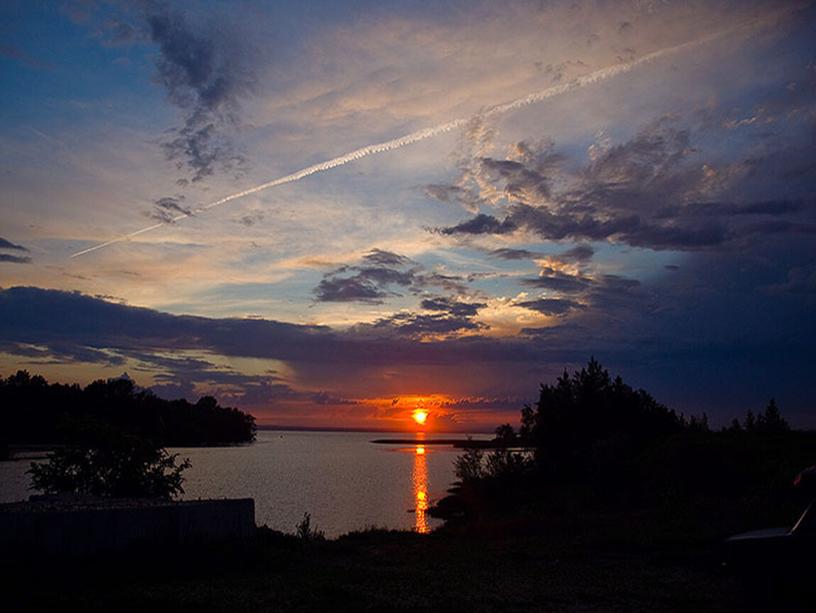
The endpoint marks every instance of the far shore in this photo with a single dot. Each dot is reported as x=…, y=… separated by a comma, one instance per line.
x=461, y=443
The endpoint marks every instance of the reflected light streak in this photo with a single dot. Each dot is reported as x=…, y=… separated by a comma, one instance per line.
x=420, y=483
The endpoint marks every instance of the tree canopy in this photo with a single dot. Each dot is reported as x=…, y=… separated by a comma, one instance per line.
x=589, y=408
x=102, y=460
x=34, y=411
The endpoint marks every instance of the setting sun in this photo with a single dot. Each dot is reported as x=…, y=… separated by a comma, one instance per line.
x=420, y=416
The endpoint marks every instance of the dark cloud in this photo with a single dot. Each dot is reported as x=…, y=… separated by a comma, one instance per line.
x=10, y=258
x=206, y=63
x=250, y=219
x=452, y=307
x=551, y=306
x=444, y=193
x=181, y=376
x=377, y=276
x=206, y=69
x=507, y=253
x=421, y=326
x=579, y=253
x=705, y=320
x=6, y=244
x=62, y=353
x=447, y=317
x=349, y=289
x=653, y=191
x=14, y=259
x=168, y=208
x=386, y=258
x=481, y=224
x=590, y=299
x=559, y=282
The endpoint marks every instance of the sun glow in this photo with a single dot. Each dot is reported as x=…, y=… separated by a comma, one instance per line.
x=420, y=416
x=420, y=483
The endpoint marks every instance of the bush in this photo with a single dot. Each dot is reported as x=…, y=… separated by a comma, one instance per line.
x=305, y=532
x=104, y=461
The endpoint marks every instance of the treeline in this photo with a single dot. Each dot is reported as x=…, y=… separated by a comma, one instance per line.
x=33, y=411
x=593, y=442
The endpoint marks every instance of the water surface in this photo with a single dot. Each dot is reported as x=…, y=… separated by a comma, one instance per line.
x=342, y=479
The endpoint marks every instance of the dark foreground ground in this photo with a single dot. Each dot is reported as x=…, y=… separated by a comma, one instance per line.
x=518, y=566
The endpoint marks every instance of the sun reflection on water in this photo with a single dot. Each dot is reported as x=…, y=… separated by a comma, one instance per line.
x=420, y=483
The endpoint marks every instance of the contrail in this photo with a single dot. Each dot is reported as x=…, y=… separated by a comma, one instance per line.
x=420, y=135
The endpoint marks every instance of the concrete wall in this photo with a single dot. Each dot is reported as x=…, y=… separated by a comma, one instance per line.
x=83, y=531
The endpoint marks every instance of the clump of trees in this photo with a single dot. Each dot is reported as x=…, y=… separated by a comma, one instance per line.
x=593, y=441
x=34, y=411
x=769, y=421
x=102, y=460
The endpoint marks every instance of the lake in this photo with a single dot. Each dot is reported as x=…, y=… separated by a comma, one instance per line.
x=342, y=479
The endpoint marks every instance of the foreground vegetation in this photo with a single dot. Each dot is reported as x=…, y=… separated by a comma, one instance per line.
x=32, y=411
x=603, y=500
x=512, y=567
x=103, y=461
x=595, y=445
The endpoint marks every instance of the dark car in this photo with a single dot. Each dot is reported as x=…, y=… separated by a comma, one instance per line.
x=778, y=565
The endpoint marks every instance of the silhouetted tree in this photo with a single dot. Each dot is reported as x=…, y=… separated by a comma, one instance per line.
x=32, y=411
x=505, y=435
x=771, y=421
x=104, y=461
x=698, y=424
x=750, y=421
x=591, y=411
x=468, y=466
x=598, y=445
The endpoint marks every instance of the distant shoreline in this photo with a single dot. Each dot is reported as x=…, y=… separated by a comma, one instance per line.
x=363, y=430
x=462, y=443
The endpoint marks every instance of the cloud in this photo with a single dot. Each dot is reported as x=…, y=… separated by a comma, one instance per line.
x=452, y=307
x=206, y=71
x=377, y=276
x=424, y=326
x=652, y=191
x=14, y=259
x=650, y=334
x=6, y=244
x=250, y=219
x=559, y=282
x=40, y=317
x=507, y=253
x=579, y=253
x=551, y=306
x=166, y=209
x=11, y=258
x=481, y=224
x=447, y=318
x=349, y=289
x=386, y=258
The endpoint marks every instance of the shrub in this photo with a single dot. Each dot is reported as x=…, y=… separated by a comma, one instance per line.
x=305, y=532
x=104, y=461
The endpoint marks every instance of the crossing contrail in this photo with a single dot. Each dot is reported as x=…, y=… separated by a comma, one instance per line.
x=420, y=135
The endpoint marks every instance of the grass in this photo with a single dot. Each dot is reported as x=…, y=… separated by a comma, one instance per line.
x=527, y=564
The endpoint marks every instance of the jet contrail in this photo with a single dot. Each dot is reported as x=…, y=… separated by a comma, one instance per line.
x=420, y=135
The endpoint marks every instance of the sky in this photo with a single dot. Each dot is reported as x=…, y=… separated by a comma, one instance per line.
x=652, y=206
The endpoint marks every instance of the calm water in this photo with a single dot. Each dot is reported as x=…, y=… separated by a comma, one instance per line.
x=343, y=480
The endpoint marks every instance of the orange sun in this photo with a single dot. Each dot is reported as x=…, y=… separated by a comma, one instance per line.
x=420, y=416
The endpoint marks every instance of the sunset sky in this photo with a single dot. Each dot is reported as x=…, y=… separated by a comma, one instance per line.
x=661, y=217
